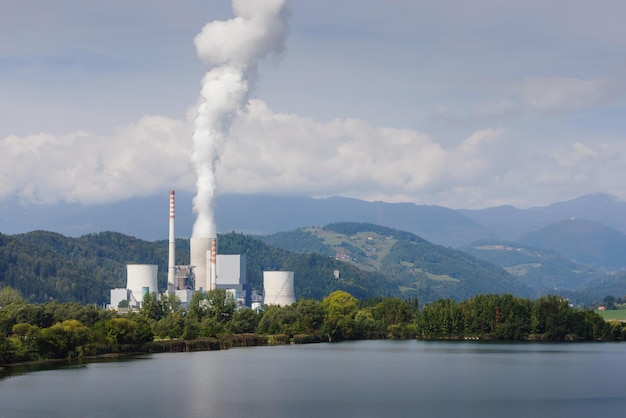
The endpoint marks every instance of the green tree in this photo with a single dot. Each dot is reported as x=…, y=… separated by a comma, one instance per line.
x=244, y=321
x=442, y=318
x=310, y=314
x=393, y=311
x=171, y=325
x=151, y=307
x=221, y=305
x=549, y=317
x=366, y=326
x=198, y=307
x=119, y=330
x=65, y=339
x=171, y=304
x=278, y=320
x=341, y=309
x=191, y=330
x=9, y=296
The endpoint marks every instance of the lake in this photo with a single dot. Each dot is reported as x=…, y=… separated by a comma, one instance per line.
x=351, y=379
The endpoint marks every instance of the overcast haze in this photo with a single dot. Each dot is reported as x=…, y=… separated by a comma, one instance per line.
x=457, y=103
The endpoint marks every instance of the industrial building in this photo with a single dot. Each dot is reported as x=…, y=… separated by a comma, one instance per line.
x=207, y=270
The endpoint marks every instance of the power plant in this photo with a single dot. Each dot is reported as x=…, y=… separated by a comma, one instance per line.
x=232, y=56
x=207, y=270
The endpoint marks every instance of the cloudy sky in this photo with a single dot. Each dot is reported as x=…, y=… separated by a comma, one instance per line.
x=450, y=102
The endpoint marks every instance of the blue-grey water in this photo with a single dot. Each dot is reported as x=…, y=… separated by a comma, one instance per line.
x=355, y=379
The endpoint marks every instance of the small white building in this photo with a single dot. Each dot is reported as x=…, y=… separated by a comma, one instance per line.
x=118, y=295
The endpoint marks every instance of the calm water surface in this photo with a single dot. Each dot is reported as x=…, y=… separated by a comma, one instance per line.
x=356, y=379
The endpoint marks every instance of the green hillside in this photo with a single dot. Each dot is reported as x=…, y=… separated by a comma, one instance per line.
x=585, y=242
x=419, y=268
x=46, y=266
x=542, y=269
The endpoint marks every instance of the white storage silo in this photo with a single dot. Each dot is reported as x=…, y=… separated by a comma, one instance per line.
x=278, y=288
x=140, y=277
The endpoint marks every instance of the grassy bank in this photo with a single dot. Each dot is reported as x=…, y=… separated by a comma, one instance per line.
x=617, y=314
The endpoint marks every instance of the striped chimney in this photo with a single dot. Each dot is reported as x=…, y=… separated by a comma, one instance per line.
x=171, y=271
x=213, y=284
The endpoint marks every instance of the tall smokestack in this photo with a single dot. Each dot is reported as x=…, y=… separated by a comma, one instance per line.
x=171, y=271
x=213, y=274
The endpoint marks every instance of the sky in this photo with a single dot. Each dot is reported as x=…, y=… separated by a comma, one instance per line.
x=449, y=102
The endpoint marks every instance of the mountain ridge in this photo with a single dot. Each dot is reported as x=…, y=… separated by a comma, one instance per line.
x=146, y=217
x=420, y=268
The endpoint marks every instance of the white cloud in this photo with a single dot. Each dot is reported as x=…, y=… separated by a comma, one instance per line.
x=443, y=113
x=282, y=153
x=139, y=159
x=496, y=109
x=286, y=153
x=557, y=94
x=578, y=153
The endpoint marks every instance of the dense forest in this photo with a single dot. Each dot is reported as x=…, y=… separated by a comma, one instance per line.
x=30, y=332
x=380, y=262
x=46, y=266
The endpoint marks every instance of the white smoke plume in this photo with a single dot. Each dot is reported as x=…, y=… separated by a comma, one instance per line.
x=231, y=49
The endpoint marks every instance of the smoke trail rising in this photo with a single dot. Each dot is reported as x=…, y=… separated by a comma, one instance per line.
x=231, y=49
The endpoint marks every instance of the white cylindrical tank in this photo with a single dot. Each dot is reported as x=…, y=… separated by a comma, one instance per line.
x=198, y=248
x=278, y=288
x=140, y=276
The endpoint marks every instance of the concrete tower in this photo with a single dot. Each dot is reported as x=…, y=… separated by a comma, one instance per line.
x=199, y=249
x=278, y=288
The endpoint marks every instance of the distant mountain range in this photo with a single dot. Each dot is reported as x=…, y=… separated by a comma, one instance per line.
x=146, y=218
x=563, y=247
x=430, y=271
x=366, y=260
x=584, y=242
x=509, y=223
x=416, y=267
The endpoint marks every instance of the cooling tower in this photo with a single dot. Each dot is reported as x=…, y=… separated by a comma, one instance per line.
x=198, y=249
x=278, y=288
x=140, y=277
x=171, y=268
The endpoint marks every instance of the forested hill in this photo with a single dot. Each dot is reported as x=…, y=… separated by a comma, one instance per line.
x=46, y=266
x=419, y=268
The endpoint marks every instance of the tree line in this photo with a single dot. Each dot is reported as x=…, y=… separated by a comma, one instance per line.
x=69, y=330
